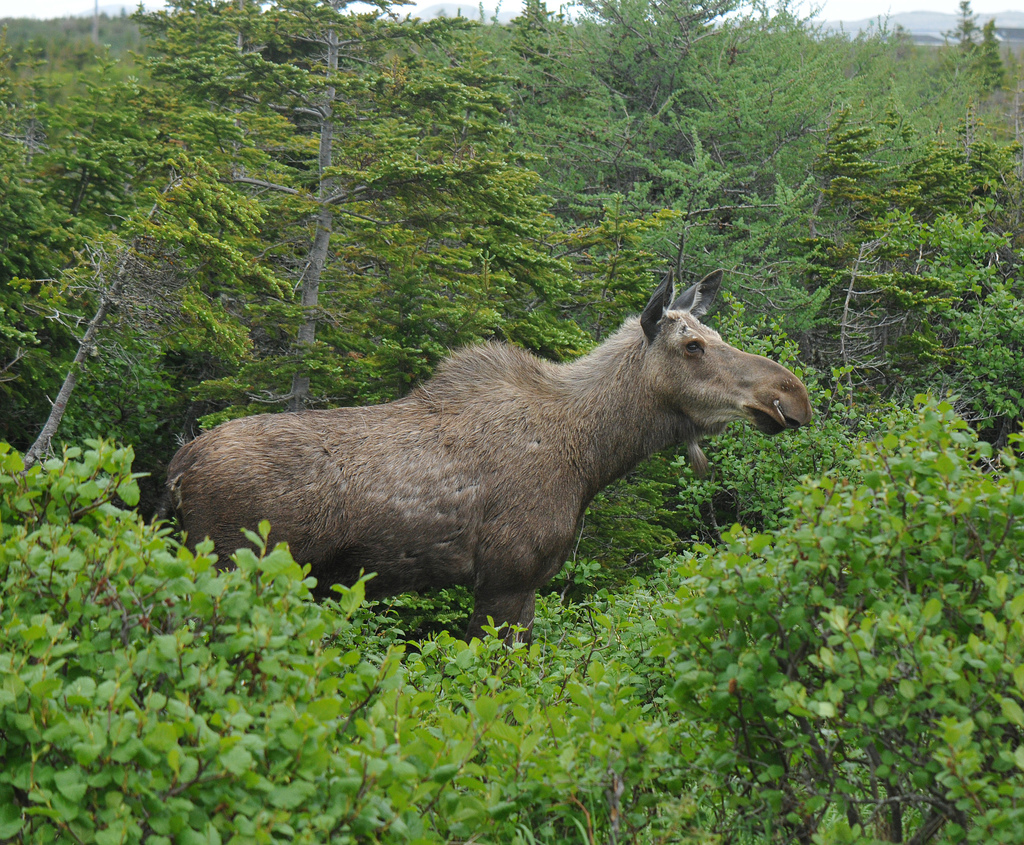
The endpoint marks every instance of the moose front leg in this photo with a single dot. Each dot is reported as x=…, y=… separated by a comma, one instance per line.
x=510, y=608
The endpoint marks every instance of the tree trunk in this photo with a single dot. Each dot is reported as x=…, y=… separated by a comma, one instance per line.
x=85, y=348
x=318, y=252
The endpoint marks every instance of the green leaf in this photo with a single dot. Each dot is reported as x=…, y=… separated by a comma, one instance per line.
x=113, y=835
x=324, y=709
x=71, y=783
x=128, y=491
x=1012, y=710
x=292, y=795
x=11, y=821
x=162, y=736
x=486, y=709
x=279, y=562
x=443, y=774
x=236, y=760
x=932, y=610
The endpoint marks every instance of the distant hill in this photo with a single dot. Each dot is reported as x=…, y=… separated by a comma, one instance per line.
x=924, y=27
x=115, y=10
x=931, y=27
x=471, y=11
x=67, y=44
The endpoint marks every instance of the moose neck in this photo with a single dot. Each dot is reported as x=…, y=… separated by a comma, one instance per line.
x=618, y=421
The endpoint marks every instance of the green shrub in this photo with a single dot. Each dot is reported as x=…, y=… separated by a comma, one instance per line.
x=146, y=695
x=858, y=675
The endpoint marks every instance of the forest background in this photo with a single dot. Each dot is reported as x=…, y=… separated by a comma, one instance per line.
x=233, y=208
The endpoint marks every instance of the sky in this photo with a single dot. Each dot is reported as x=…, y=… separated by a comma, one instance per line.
x=849, y=10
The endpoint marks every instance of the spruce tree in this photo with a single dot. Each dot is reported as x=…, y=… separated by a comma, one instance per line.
x=964, y=35
x=988, y=62
x=379, y=149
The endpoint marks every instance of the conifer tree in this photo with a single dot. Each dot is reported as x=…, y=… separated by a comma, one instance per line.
x=965, y=33
x=379, y=148
x=989, y=64
x=912, y=246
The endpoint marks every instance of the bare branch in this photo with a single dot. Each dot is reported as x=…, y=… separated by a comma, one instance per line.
x=262, y=183
x=17, y=357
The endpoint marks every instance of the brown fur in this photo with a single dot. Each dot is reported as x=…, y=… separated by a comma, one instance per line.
x=481, y=475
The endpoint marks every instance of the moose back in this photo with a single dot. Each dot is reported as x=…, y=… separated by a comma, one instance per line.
x=481, y=475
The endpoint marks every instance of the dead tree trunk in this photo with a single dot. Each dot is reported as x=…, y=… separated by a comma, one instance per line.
x=318, y=252
x=85, y=348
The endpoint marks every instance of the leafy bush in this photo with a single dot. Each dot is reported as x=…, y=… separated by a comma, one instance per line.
x=858, y=675
x=147, y=695
x=989, y=352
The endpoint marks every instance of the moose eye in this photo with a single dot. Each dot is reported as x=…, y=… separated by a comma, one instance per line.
x=693, y=347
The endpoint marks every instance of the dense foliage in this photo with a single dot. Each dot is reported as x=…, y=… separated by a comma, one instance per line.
x=233, y=208
x=862, y=670
x=854, y=675
x=148, y=696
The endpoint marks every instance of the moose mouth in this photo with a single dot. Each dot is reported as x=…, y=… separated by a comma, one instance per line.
x=774, y=421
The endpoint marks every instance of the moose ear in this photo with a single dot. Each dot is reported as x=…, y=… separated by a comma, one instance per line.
x=650, y=320
x=697, y=300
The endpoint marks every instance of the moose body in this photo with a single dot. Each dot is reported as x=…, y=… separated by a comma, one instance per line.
x=481, y=475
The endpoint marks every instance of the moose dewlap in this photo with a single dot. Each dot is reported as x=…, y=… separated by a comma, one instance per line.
x=481, y=475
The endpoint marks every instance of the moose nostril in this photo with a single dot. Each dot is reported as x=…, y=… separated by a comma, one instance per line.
x=787, y=420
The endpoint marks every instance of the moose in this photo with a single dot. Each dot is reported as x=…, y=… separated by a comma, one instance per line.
x=481, y=475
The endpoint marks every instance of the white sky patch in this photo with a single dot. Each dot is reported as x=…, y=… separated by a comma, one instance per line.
x=846, y=10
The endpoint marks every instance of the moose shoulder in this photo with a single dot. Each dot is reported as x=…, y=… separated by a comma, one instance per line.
x=481, y=475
